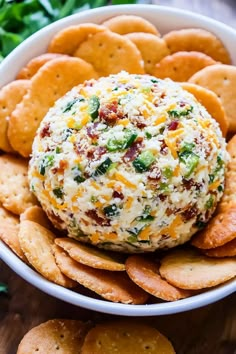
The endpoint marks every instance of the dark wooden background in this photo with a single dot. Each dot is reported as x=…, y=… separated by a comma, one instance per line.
x=210, y=330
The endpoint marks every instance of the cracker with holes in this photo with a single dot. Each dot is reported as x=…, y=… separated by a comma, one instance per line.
x=229, y=196
x=187, y=269
x=124, y=24
x=181, y=66
x=218, y=231
x=220, y=79
x=116, y=287
x=10, y=96
x=69, y=39
x=31, y=68
x=151, y=47
x=9, y=230
x=227, y=250
x=35, y=213
x=211, y=102
x=197, y=39
x=145, y=273
x=36, y=242
x=51, y=82
x=54, y=336
x=127, y=337
x=15, y=195
x=91, y=256
x=110, y=53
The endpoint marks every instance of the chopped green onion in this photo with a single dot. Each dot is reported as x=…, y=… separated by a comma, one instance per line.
x=58, y=192
x=102, y=168
x=168, y=172
x=93, y=106
x=111, y=210
x=125, y=142
x=209, y=204
x=70, y=104
x=143, y=162
x=46, y=162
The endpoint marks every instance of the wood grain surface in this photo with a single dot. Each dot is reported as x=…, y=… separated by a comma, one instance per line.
x=209, y=330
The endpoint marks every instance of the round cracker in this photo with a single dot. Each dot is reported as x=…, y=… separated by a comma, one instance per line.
x=36, y=214
x=51, y=82
x=116, y=287
x=10, y=96
x=90, y=256
x=227, y=250
x=220, y=79
x=145, y=273
x=229, y=196
x=36, y=242
x=219, y=230
x=181, y=66
x=68, y=39
x=127, y=337
x=124, y=24
x=110, y=53
x=15, y=195
x=151, y=47
x=211, y=102
x=54, y=336
x=187, y=269
x=9, y=230
x=31, y=68
x=200, y=40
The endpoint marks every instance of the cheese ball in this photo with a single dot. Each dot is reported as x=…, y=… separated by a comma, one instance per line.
x=129, y=163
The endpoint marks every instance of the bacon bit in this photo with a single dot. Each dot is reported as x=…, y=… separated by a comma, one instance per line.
x=78, y=149
x=169, y=211
x=140, y=124
x=91, y=131
x=117, y=194
x=45, y=131
x=89, y=83
x=162, y=197
x=190, y=213
x=154, y=173
x=189, y=183
x=163, y=149
x=133, y=151
x=173, y=125
x=182, y=104
x=55, y=219
x=110, y=112
x=99, y=220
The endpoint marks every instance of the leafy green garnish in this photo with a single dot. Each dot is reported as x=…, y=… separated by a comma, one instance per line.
x=19, y=19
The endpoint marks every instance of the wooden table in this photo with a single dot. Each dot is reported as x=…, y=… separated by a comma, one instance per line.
x=210, y=330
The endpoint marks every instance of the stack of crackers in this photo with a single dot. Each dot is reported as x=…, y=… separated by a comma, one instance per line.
x=200, y=62
x=73, y=336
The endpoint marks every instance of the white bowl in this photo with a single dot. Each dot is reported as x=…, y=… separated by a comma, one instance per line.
x=165, y=19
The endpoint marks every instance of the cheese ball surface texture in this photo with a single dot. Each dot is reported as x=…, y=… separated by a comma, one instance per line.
x=129, y=163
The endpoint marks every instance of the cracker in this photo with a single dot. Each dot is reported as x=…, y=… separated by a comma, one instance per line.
x=68, y=39
x=110, y=53
x=227, y=250
x=200, y=40
x=9, y=229
x=90, y=256
x=36, y=242
x=31, y=68
x=15, y=195
x=126, y=337
x=145, y=273
x=229, y=196
x=54, y=336
x=51, y=82
x=10, y=96
x=116, y=287
x=188, y=269
x=219, y=230
x=124, y=24
x=211, y=102
x=36, y=214
x=220, y=79
x=181, y=66
x=151, y=47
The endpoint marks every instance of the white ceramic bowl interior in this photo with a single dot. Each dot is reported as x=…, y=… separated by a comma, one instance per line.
x=165, y=19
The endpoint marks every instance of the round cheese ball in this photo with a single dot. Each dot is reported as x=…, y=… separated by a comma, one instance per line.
x=129, y=163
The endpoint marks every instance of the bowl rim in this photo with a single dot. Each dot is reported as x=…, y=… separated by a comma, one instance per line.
x=70, y=296
x=100, y=305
